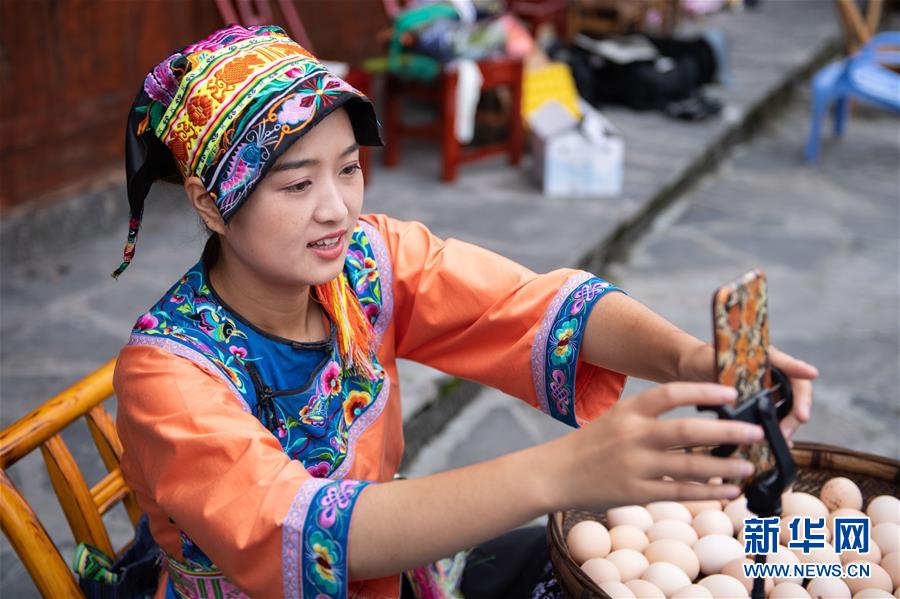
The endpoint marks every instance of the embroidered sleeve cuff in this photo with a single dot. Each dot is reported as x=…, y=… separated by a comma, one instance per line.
x=554, y=354
x=314, y=555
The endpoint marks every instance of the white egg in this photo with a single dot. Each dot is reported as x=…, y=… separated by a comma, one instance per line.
x=873, y=594
x=841, y=492
x=891, y=565
x=631, y=563
x=588, y=539
x=887, y=535
x=668, y=510
x=616, y=590
x=785, y=537
x=633, y=515
x=695, y=591
x=714, y=551
x=713, y=522
x=626, y=536
x=672, y=529
x=644, y=590
x=802, y=504
x=695, y=507
x=878, y=579
x=828, y=588
x=873, y=555
x=737, y=511
x=601, y=570
x=724, y=586
x=884, y=508
x=818, y=555
x=784, y=556
x=675, y=552
x=667, y=577
x=735, y=569
x=789, y=590
x=843, y=512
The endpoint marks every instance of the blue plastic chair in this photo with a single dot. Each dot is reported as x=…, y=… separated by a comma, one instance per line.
x=864, y=77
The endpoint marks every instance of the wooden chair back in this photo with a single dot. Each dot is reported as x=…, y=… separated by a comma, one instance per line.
x=83, y=506
x=858, y=30
x=259, y=12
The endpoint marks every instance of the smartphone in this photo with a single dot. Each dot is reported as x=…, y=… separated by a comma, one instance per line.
x=741, y=334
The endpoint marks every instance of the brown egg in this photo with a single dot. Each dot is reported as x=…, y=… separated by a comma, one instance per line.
x=694, y=591
x=633, y=515
x=601, y=570
x=891, y=565
x=878, y=579
x=841, y=492
x=672, y=529
x=724, y=586
x=695, y=507
x=820, y=555
x=874, y=554
x=788, y=590
x=616, y=590
x=631, y=563
x=873, y=594
x=828, y=588
x=802, y=504
x=667, y=577
x=676, y=552
x=713, y=522
x=884, y=508
x=735, y=569
x=784, y=556
x=714, y=551
x=588, y=539
x=737, y=511
x=887, y=535
x=843, y=512
x=668, y=510
x=784, y=536
x=626, y=536
x=644, y=590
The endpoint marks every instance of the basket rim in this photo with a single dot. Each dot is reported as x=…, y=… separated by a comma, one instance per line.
x=816, y=453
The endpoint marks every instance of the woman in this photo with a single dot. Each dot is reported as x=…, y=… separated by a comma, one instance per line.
x=258, y=399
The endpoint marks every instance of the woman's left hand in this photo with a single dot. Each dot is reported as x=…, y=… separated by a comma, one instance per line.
x=801, y=375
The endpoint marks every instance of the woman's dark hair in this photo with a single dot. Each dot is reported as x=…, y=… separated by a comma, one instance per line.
x=211, y=250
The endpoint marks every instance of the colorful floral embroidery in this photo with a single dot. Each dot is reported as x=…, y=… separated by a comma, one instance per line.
x=557, y=343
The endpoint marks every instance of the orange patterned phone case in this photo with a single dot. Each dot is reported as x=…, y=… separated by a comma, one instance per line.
x=741, y=325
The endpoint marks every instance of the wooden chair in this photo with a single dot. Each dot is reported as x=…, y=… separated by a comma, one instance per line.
x=495, y=72
x=83, y=506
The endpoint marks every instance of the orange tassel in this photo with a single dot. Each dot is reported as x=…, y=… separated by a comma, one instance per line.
x=354, y=331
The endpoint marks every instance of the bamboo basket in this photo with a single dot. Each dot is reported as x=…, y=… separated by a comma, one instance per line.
x=816, y=464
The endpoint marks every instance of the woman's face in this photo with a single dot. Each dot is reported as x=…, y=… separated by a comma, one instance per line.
x=295, y=227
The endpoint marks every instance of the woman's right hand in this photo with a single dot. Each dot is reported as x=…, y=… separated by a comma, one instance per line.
x=622, y=457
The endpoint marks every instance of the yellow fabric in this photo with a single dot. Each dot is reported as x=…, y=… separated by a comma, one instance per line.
x=550, y=82
x=193, y=455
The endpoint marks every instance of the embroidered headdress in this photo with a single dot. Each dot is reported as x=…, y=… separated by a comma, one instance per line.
x=224, y=109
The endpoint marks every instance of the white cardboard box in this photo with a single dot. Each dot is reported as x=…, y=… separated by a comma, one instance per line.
x=576, y=158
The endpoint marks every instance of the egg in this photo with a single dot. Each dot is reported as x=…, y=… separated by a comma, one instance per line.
x=878, y=579
x=633, y=515
x=802, y=504
x=600, y=570
x=873, y=555
x=841, y=492
x=695, y=591
x=891, y=565
x=887, y=535
x=737, y=511
x=884, y=508
x=784, y=556
x=644, y=590
x=626, y=536
x=713, y=522
x=873, y=594
x=828, y=588
x=588, y=539
x=784, y=536
x=667, y=577
x=668, y=510
x=818, y=555
x=788, y=590
x=675, y=552
x=714, y=551
x=616, y=590
x=735, y=569
x=843, y=512
x=631, y=563
x=672, y=529
x=724, y=586
x=695, y=507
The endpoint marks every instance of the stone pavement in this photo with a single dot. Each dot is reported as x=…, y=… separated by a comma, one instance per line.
x=826, y=236
x=61, y=315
